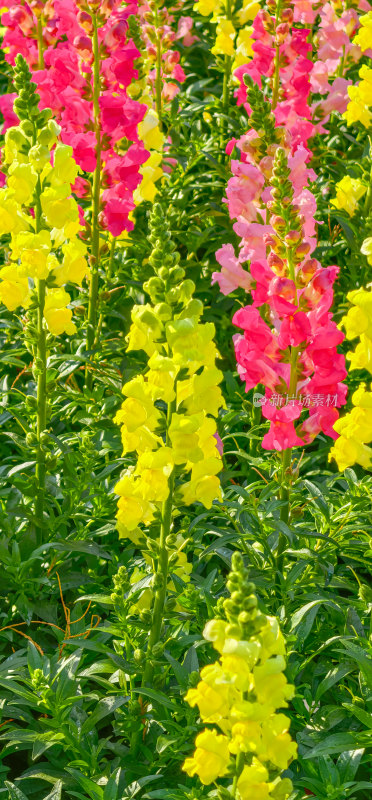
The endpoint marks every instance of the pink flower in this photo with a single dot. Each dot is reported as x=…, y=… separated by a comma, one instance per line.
x=294, y=331
x=320, y=419
x=117, y=205
x=232, y=275
x=243, y=189
x=6, y=108
x=281, y=434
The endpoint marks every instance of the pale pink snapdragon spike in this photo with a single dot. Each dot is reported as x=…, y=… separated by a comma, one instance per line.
x=335, y=54
x=159, y=33
x=289, y=340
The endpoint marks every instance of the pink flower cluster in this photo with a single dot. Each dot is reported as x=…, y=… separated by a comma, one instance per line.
x=65, y=85
x=289, y=340
x=335, y=53
x=292, y=108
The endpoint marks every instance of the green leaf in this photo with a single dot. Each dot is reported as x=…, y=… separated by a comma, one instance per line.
x=348, y=763
x=158, y=697
x=14, y=792
x=105, y=707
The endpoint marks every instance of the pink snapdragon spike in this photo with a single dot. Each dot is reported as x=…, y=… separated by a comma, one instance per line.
x=160, y=34
x=289, y=340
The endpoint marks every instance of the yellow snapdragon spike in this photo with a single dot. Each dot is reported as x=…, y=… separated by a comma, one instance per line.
x=348, y=193
x=241, y=693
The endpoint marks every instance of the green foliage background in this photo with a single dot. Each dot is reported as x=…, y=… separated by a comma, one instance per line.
x=70, y=649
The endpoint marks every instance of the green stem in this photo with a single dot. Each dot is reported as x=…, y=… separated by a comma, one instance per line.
x=40, y=44
x=226, y=82
x=161, y=590
x=287, y=454
x=108, y=278
x=238, y=771
x=158, y=79
x=41, y=365
x=95, y=239
x=275, y=96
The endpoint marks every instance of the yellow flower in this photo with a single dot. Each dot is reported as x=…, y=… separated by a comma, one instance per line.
x=21, y=182
x=349, y=451
x=364, y=35
x=249, y=10
x=244, y=51
x=252, y=783
x=206, y=7
x=357, y=110
x=57, y=316
x=204, y=486
x=33, y=250
x=271, y=685
x=215, y=632
x=11, y=221
x=132, y=508
x=245, y=737
x=146, y=328
x=362, y=356
x=149, y=131
x=212, y=701
x=14, y=289
x=225, y=37
x=249, y=652
x=161, y=377
x=211, y=757
x=151, y=171
x=201, y=392
x=65, y=169
x=348, y=193
x=272, y=639
x=74, y=266
x=276, y=744
x=154, y=470
x=58, y=208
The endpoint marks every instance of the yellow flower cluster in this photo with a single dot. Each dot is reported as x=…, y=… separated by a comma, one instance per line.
x=348, y=193
x=233, y=34
x=355, y=428
x=153, y=139
x=364, y=36
x=42, y=220
x=179, y=345
x=241, y=693
x=358, y=110
x=168, y=416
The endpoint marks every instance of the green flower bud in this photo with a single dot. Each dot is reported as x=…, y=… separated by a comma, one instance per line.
x=139, y=656
x=31, y=440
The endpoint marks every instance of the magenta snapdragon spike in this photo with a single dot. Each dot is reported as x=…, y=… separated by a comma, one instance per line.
x=289, y=340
